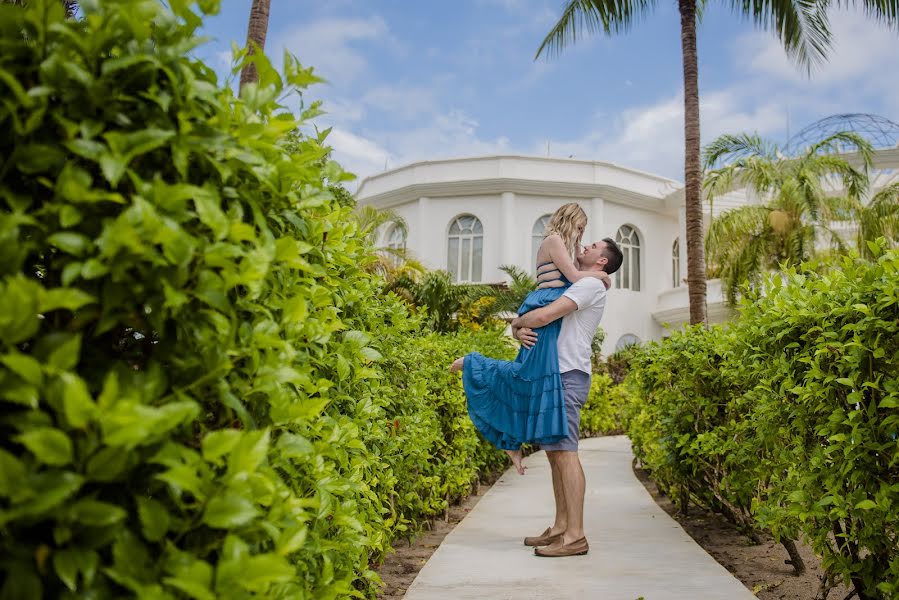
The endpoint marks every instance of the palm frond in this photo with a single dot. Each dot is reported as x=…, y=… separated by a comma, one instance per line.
x=802, y=26
x=610, y=16
x=729, y=148
x=840, y=143
x=879, y=218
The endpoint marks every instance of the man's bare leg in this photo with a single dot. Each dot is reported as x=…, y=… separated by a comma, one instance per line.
x=561, y=522
x=573, y=486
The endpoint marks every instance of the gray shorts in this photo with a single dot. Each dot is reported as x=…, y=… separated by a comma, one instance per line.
x=577, y=388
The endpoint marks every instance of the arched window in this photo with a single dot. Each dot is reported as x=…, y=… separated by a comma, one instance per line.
x=628, y=339
x=675, y=263
x=537, y=238
x=396, y=240
x=465, y=248
x=628, y=276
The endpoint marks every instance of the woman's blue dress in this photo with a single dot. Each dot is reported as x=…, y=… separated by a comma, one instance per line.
x=520, y=401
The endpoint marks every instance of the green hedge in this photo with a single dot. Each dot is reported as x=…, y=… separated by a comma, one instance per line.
x=203, y=393
x=787, y=418
x=603, y=412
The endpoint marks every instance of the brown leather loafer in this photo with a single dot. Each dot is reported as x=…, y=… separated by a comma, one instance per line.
x=544, y=539
x=575, y=548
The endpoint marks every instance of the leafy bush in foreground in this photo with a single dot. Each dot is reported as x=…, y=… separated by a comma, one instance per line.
x=194, y=400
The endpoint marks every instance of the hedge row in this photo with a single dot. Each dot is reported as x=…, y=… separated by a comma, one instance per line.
x=603, y=412
x=787, y=418
x=204, y=394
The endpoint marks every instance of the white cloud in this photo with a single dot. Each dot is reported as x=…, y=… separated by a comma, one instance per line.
x=402, y=101
x=357, y=154
x=330, y=45
x=651, y=137
x=864, y=58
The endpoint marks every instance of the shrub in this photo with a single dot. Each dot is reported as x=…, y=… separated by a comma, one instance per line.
x=786, y=420
x=606, y=403
x=196, y=373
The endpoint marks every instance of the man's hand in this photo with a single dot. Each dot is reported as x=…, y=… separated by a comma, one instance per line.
x=525, y=335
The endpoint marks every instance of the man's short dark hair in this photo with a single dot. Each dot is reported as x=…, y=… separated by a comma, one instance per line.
x=613, y=254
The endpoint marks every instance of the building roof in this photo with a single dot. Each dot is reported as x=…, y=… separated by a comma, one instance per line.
x=488, y=175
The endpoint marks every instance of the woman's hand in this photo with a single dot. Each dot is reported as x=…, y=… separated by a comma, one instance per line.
x=606, y=279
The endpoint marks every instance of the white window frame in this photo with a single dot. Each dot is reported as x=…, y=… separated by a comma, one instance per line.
x=537, y=238
x=628, y=276
x=462, y=230
x=675, y=263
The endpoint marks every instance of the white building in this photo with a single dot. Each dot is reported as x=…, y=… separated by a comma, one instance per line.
x=470, y=216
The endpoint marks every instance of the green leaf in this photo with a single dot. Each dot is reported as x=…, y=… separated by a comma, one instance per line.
x=70, y=242
x=50, y=446
x=218, y=443
x=866, y=504
x=371, y=354
x=228, y=511
x=154, y=518
x=50, y=489
x=107, y=464
x=194, y=581
x=24, y=366
x=132, y=144
x=261, y=571
x=846, y=381
x=130, y=424
x=12, y=474
x=78, y=405
x=249, y=453
x=70, y=562
x=96, y=513
x=66, y=566
x=66, y=353
x=208, y=205
x=69, y=216
x=68, y=298
x=183, y=478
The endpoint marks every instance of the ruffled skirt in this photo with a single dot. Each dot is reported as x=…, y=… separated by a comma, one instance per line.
x=520, y=401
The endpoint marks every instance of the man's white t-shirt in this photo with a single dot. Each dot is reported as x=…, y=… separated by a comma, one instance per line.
x=579, y=327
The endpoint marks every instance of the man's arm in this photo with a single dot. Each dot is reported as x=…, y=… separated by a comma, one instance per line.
x=545, y=314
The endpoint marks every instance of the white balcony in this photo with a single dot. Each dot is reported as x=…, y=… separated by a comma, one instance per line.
x=673, y=305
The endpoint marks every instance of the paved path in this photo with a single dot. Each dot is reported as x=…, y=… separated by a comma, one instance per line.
x=636, y=549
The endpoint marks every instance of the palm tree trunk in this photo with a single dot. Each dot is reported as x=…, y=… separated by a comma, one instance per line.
x=692, y=172
x=256, y=32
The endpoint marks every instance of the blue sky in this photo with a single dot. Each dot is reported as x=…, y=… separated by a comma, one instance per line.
x=413, y=80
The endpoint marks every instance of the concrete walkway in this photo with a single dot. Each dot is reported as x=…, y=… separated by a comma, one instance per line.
x=636, y=549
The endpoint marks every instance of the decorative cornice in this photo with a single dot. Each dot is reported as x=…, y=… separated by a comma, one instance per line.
x=496, y=186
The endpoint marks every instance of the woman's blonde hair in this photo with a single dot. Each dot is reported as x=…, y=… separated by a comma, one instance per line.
x=564, y=222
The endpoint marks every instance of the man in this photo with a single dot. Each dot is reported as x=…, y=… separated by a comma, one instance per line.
x=580, y=308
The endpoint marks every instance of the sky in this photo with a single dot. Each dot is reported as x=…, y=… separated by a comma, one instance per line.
x=412, y=80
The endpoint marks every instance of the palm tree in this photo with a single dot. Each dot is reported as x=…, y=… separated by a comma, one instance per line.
x=257, y=29
x=804, y=197
x=390, y=263
x=878, y=219
x=801, y=25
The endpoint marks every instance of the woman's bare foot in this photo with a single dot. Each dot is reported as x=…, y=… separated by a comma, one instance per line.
x=457, y=364
x=515, y=455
